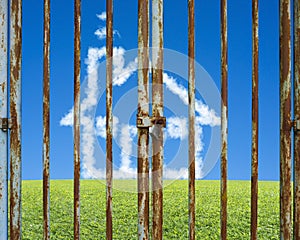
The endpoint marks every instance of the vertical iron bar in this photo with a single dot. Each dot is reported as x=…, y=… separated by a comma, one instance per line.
x=3, y=114
x=77, y=38
x=157, y=111
x=46, y=121
x=254, y=165
x=191, y=110
x=297, y=119
x=109, y=117
x=143, y=111
x=285, y=121
x=15, y=112
x=224, y=116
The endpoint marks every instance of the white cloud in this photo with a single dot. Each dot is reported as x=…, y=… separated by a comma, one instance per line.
x=176, y=88
x=170, y=173
x=90, y=126
x=67, y=120
x=91, y=91
x=126, y=144
x=198, y=150
x=102, y=16
x=101, y=126
x=88, y=138
x=101, y=33
x=206, y=116
x=121, y=73
x=119, y=68
x=127, y=133
x=177, y=127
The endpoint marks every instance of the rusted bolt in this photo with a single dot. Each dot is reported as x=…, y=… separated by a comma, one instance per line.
x=5, y=124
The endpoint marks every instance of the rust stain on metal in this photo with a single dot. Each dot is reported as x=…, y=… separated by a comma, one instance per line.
x=46, y=122
x=77, y=41
x=254, y=170
x=15, y=112
x=157, y=111
x=143, y=111
x=109, y=118
x=224, y=116
x=285, y=122
x=143, y=184
x=3, y=87
x=191, y=112
x=296, y=118
x=15, y=141
x=3, y=115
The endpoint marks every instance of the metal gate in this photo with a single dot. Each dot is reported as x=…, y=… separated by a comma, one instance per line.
x=11, y=123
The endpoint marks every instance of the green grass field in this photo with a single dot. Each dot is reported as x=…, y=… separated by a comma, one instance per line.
x=125, y=210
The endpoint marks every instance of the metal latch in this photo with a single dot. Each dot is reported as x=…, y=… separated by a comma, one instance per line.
x=296, y=125
x=144, y=122
x=5, y=124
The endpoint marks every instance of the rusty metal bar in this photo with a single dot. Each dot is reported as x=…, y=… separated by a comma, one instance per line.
x=224, y=116
x=297, y=119
x=3, y=114
x=143, y=111
x=77, y=39
x=15, y=113
x=157, y=111
x=191, y=110
x=46, y=122
x=285, y=121
x=109, y=118
x=254, y=165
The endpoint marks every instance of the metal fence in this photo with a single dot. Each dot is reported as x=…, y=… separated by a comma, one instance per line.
x=11, y=123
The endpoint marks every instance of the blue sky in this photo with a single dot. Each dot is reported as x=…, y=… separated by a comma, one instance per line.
x=175, y=38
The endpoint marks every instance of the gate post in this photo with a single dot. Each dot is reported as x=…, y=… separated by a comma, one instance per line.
x=224, y=118
x=77, y=42
x=143, y=114
x=46, y=122
x=157, y=112
x=285, y=121
x=296, y=120
x=254, y=152
x=3, y=117
x=191, y=112
x=15, y=112
x=109, y=118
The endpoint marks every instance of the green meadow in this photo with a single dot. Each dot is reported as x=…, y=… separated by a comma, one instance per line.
x=175, y=220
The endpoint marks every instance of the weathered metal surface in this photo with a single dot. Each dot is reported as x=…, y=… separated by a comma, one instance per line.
x=3, y=114
x=157, y=111
x=46, y=122
x=254, y=167
x=109, y=118
x=224, y=116
x=191, y=112
x=285, y=121
x=15, y=113
x=296, y=118
x=143, y=111
x=144, y=121
x=77, y=39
